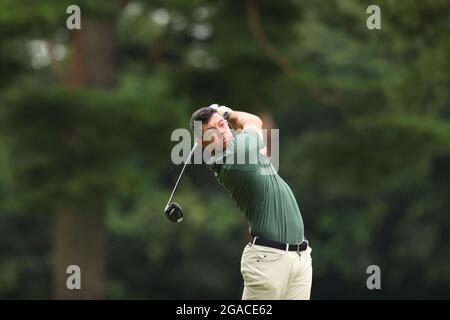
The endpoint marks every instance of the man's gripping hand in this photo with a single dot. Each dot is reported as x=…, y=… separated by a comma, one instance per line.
x=224, y=111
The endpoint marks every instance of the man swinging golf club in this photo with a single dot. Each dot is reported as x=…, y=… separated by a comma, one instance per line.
x=277, y=263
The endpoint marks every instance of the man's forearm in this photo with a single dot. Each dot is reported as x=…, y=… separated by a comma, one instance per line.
x=242, y=120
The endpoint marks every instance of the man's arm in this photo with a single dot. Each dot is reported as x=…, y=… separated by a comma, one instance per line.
x=243, y=120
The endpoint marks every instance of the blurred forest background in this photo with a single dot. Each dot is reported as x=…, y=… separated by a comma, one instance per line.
x=86, y=118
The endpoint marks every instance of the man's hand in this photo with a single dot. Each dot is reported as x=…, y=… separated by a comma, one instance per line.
x=238, y=119
x=241, y=120
x=225, y=112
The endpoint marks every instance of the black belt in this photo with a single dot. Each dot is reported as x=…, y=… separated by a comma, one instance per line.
x=282, y=246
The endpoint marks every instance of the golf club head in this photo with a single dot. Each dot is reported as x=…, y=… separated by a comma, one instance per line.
x=174, y=212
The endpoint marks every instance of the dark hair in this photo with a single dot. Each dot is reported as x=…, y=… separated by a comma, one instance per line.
x=203, y=115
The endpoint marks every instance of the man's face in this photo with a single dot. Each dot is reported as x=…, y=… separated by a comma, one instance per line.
x=216, y=132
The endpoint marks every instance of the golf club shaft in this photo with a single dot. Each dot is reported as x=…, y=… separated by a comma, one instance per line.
x=182, y=170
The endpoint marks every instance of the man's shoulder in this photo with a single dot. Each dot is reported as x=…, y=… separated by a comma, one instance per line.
x=247, y=132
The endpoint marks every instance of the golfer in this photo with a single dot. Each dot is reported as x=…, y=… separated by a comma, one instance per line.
x=277, y=263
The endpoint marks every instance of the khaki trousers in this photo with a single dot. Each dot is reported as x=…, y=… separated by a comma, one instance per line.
x=273, y=274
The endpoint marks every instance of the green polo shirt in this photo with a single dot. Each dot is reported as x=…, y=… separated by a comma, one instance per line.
x=266, y=201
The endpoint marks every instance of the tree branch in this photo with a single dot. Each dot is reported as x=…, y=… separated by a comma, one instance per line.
x=269, y=49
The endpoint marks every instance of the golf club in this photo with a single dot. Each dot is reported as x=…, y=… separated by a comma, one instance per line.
x=173, y=210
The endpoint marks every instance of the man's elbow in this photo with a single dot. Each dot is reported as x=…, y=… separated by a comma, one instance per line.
x=258, y=122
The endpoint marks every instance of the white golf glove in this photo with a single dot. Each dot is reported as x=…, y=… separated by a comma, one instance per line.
x=222, y=110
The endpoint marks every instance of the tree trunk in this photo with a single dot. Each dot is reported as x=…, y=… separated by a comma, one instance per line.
x=79, y=235
x=79, y=238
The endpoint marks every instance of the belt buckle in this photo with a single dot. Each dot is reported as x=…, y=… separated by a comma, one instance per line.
x=298, y=245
